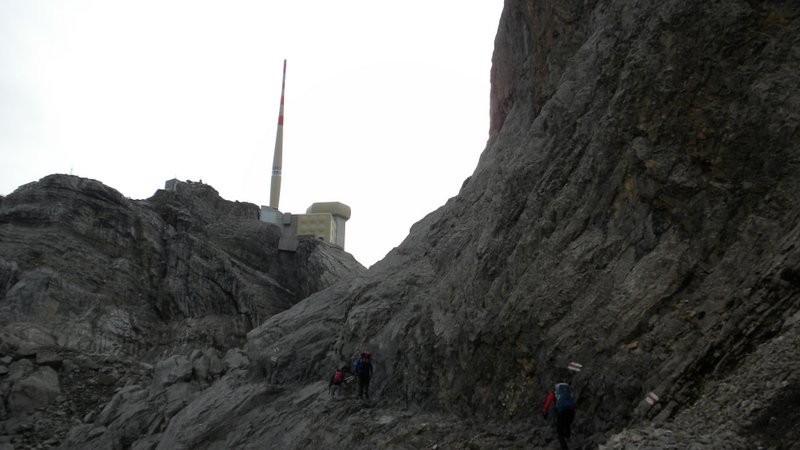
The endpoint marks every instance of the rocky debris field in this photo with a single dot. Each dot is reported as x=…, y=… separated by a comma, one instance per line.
x=46, y=393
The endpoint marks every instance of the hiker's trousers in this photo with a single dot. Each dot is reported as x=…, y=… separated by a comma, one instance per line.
x=363, y=386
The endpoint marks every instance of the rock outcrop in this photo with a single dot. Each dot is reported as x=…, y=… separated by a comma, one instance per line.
x=634, y=211
x=108, y=274
x=89, y=275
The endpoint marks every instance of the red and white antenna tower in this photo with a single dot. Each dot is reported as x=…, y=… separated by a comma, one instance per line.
x=277, y=158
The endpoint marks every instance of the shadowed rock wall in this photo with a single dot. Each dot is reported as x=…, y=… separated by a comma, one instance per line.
x=635, y=210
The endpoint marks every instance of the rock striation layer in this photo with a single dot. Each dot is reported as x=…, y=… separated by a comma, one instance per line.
x=634, y=211
x=89, y=275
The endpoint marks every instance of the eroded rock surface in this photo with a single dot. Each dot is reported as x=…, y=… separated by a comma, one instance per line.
x=635, y=211
x=88, y=277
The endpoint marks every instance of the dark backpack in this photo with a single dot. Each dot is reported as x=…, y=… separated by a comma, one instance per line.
x=362, y=367
x=337, y=377
x=565, y=399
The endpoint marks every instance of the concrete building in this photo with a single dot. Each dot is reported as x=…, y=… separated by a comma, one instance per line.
x=324, y=221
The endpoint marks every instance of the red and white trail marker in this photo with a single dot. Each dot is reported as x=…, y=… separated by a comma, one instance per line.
x=575, y=367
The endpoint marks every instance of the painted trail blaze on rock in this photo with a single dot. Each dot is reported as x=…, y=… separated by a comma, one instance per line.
x=575, y=367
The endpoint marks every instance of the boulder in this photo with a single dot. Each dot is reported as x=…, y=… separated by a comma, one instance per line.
x=215, y=366
x=200, y=366
x=35, y=391
x=171, y=370
x=20, y=369
x=234, y=359
x=49, y=358
x=24, y=339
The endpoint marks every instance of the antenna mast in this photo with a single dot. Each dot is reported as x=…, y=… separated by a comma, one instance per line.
x=277, y=158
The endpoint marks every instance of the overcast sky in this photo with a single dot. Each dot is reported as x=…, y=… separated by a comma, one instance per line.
x=387, y=103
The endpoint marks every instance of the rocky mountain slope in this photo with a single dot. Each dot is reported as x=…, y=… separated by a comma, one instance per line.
x=95, y=288
x=635, y=210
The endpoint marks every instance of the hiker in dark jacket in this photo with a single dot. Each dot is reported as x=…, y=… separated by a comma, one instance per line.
x=562, y=398
x=363, y=370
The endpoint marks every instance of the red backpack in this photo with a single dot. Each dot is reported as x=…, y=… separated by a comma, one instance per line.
x=337, y=377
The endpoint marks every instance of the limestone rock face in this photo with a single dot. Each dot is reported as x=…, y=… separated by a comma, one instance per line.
x=635, y=211
x=95, y=288
x=183, y=266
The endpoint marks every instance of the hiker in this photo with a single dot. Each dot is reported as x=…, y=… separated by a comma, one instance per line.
x=363, y=370
x=564, y=401
x=336, y=381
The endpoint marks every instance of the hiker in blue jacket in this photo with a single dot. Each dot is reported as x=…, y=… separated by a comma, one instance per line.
x=363, y=370
x=564, y=401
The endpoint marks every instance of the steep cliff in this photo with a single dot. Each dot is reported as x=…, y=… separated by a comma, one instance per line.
x=634, y=211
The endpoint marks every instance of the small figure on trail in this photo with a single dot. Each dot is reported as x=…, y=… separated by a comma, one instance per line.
x=338, y=378
x=564, y=401
x=363, y=370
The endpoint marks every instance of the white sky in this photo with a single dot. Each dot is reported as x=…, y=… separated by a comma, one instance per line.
x=387, y=103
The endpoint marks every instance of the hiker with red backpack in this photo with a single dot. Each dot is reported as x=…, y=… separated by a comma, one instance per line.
x=363, y=370
x=338, y=377
x=563, y=399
